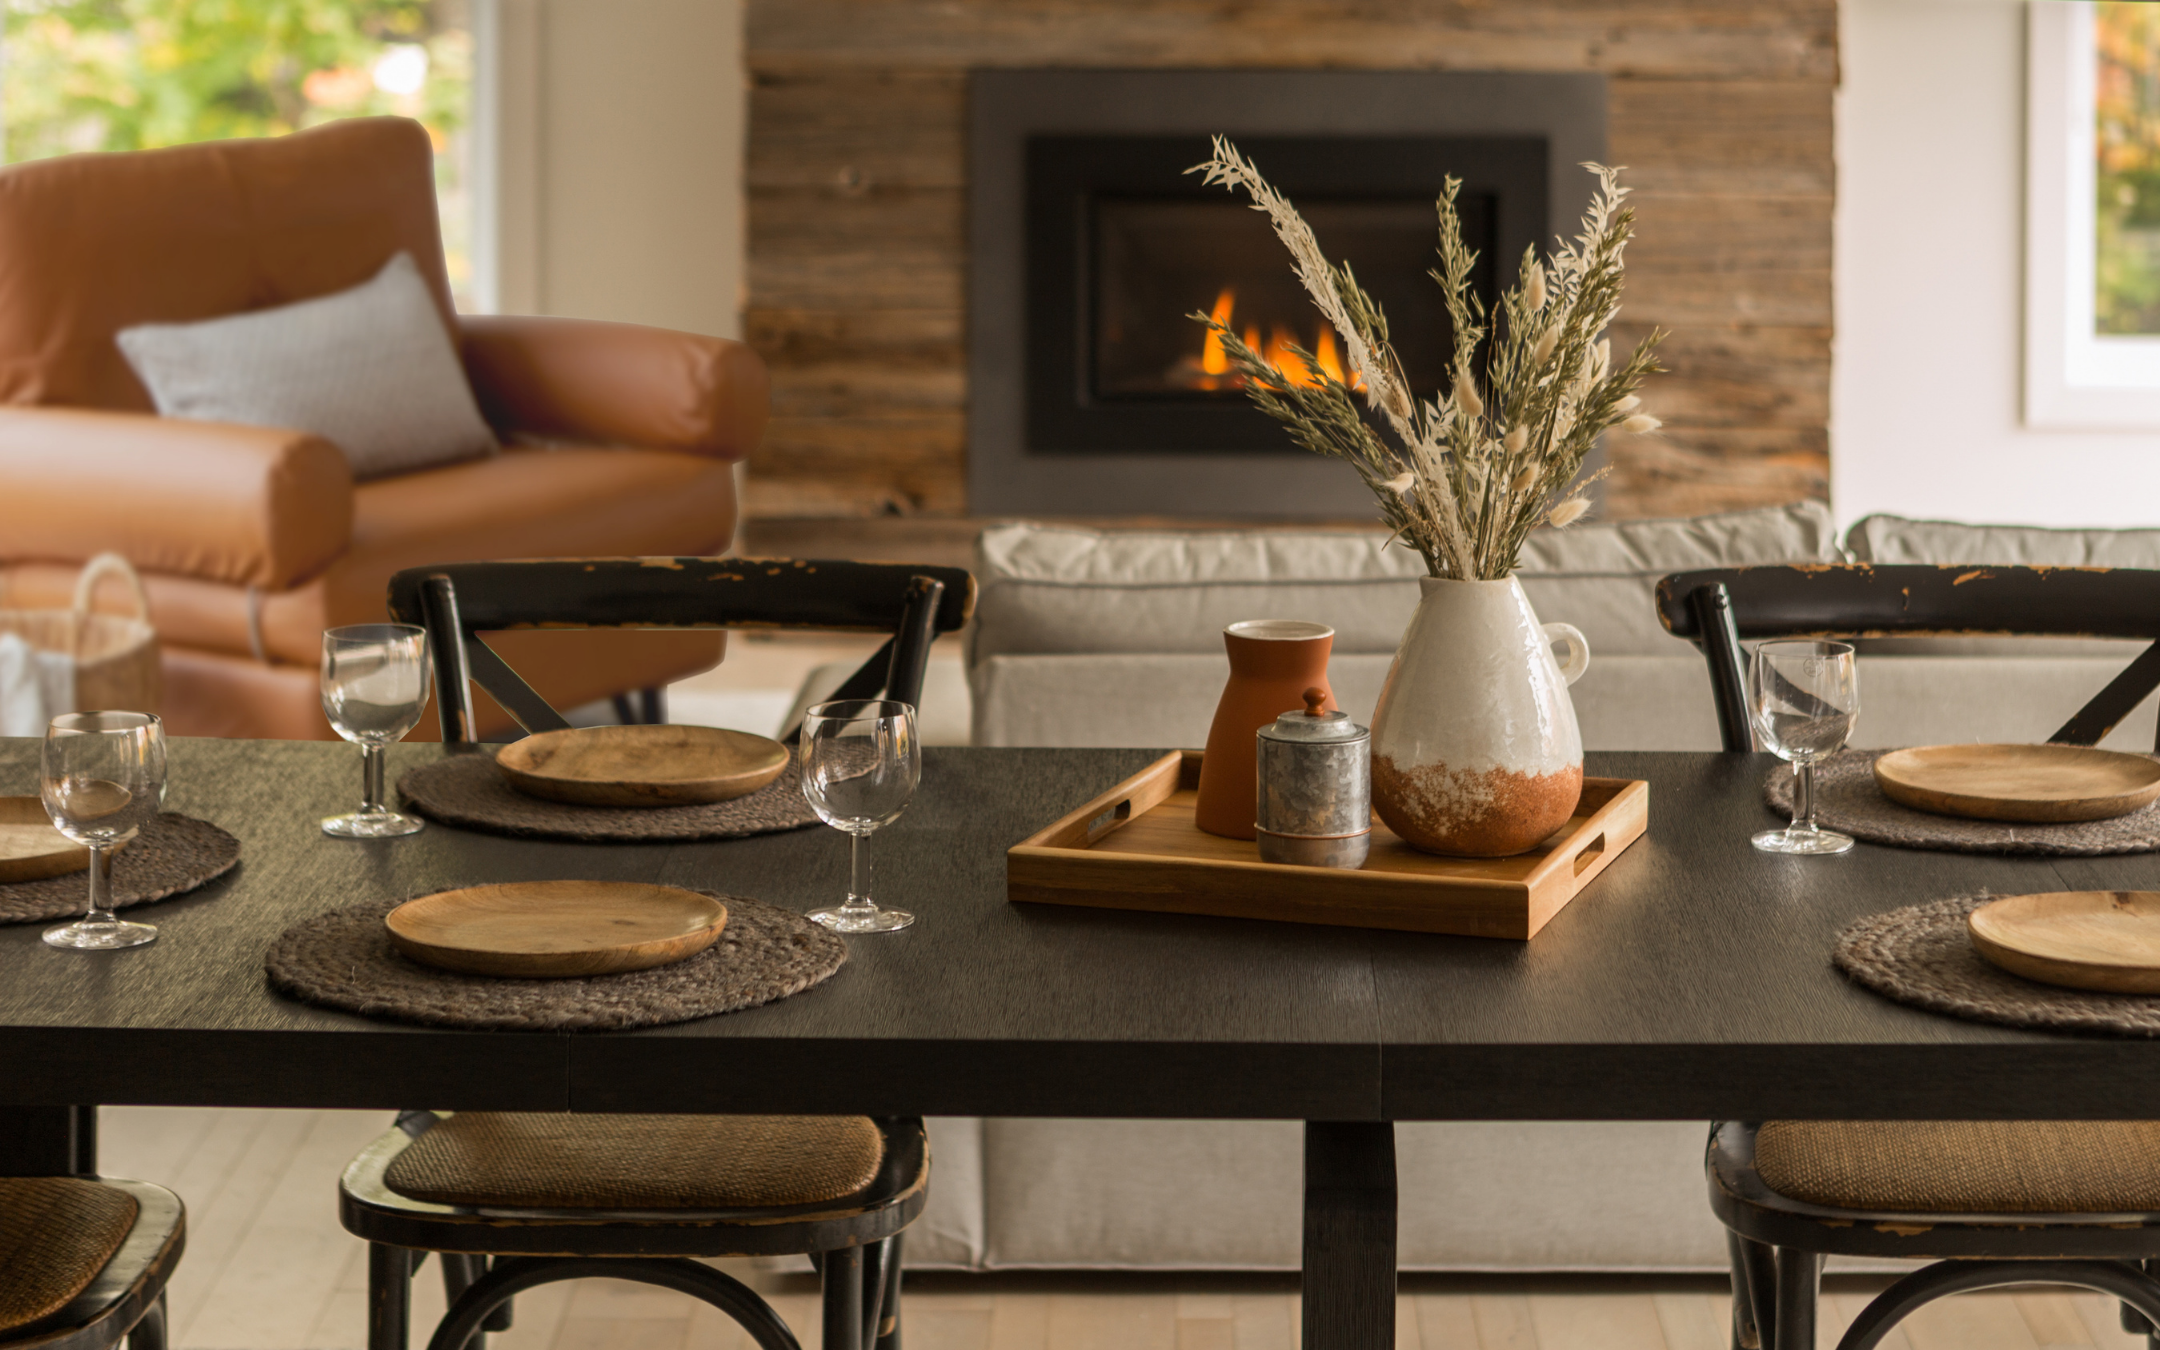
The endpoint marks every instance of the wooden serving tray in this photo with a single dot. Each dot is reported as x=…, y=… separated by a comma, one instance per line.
x=1136, y=847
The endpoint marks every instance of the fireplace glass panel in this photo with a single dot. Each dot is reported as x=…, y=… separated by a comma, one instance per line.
x=1159, y=260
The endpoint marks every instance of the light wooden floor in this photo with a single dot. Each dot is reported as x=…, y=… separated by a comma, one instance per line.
x=268, y=1268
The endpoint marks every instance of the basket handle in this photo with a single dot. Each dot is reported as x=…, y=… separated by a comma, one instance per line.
x=102, y=566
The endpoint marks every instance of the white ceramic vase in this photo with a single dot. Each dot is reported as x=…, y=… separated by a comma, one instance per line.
x=1474, y=745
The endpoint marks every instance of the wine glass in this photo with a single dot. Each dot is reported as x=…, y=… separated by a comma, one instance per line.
x=102, y=779
x=860, y=764
x=374, y=686
x=1805, y=696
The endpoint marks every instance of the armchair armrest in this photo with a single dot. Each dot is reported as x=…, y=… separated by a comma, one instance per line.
x=616, y=382
x=248, y=506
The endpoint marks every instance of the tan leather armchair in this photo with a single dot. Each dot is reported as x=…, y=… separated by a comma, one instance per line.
x=252, y=540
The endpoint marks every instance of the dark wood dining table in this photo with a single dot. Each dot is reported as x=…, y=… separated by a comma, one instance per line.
x=1692, y=980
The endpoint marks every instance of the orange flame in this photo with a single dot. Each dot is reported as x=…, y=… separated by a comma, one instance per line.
x=1215, y=360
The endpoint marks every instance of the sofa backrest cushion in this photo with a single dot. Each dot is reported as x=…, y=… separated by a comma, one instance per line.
x=94, y=243
x=1051, y=589
x=1895, y=539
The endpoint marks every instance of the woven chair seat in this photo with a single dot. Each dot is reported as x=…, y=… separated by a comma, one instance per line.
x=535, y=1160
x=1964, y=1167
x=56, y=1234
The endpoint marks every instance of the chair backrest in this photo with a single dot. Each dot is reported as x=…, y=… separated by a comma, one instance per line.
x=94, y=243
x=459, y=601
x=1718, y=608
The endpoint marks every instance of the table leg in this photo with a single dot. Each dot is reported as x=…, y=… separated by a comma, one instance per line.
x=48, y=1141
x=1349, y=1283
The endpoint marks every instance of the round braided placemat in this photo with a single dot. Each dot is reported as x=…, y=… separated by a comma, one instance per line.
x=344, y=960
x=1847, y=800
x=171, y=854
x=1921, y=955
x=468, y=791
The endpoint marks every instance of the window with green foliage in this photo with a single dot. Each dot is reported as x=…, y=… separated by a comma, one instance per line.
x=2126, y=108
x=137, y=74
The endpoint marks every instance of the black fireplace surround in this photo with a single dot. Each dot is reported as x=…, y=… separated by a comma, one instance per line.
x=1092, y=393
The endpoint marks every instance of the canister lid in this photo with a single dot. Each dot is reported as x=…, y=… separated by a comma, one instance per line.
x=1311, y=724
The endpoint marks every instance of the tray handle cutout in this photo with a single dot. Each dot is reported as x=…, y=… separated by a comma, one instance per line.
x=1590, y=853
x=1106, y=822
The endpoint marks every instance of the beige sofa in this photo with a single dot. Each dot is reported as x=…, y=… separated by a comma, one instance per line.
x=1072, y=622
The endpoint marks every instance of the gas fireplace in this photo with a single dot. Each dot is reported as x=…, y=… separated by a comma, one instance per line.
x=1093, y=391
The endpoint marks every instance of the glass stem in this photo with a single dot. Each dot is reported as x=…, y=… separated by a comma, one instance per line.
x=100, y=885
x=858, y=896
x=371, y=790
x=1803, y=798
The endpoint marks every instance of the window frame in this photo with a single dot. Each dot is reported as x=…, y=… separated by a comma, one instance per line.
x=2075, y=379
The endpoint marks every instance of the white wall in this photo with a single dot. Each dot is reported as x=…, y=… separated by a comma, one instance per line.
x=1926, y=374
x=622, y=161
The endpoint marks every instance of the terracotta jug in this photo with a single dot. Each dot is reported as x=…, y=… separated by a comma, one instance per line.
x=1272, y=663
x=1475, y=749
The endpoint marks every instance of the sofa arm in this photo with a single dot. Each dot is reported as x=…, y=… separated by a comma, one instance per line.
x=616, y=382
x=248, y=506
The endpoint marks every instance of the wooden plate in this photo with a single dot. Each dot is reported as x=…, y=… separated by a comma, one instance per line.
x=556, y=928
x=2032, y=784
x=30, y=848
x=642, y=766
x=2105, y=940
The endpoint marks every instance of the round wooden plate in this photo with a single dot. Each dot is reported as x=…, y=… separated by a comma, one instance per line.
x=2029, y=784
x=2104, y=940
x=30, y=848
x=642, y=765
x=556, y=928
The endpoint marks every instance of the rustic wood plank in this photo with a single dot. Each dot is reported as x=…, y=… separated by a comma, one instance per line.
x=1671, y=40
x=858, y=130
x=865, y=389
x=928, y=338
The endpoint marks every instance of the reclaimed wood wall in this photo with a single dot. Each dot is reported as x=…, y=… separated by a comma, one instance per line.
x=857, y=185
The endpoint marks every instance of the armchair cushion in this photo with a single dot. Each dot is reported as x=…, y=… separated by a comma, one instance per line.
x=91, y=244
x=369, y=369
x=241, y=506
x=615, y=384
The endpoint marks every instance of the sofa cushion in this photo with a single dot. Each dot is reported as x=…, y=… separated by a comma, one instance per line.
x=1895, y=539
x=370, y=369
x=1048, y=589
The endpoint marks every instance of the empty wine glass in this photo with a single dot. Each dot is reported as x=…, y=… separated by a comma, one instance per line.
x=1805, y=696
x=374, y=686
x=860, y=764
x=102, y=779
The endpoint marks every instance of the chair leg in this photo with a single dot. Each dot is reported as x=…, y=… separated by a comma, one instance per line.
x=1754, y=1291
x=390, y=1272
x=652, y=705
x=843, y=1281
x=459, y=1270
x=149, y=1332
x=1799, y=1282
x=887, y=1335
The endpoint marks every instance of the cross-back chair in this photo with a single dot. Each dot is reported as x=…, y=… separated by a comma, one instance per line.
x=1990, y=1203
x=458, y=602
x=512, y=1200
x=84, y=1259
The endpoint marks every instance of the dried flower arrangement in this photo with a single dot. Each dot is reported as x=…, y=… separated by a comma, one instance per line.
x=1481, y=465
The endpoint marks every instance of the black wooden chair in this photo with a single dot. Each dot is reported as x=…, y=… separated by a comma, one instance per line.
x=1991, y=1203
x=509, y=1201
x=913, y=603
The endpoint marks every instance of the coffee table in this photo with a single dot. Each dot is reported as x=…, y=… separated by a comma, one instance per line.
x=1693, y=980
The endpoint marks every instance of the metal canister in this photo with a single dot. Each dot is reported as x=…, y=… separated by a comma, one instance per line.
x=1314, y=787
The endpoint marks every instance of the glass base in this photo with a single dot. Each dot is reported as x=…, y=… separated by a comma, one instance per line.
x=861, y=918
x=1802, y=841
x=84, y=936
x=372, y=825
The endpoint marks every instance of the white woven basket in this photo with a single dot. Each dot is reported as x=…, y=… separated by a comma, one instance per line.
x=115, y=659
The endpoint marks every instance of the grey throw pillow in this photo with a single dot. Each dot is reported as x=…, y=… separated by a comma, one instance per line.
x=370, y=369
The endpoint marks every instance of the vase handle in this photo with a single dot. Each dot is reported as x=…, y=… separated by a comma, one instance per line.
x=1578, y=657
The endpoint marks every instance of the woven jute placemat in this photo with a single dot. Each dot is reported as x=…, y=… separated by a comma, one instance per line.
x=468, y=791
x=1848, y=801
x=344, y=960
x=171, y=854
x=1921, y=955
